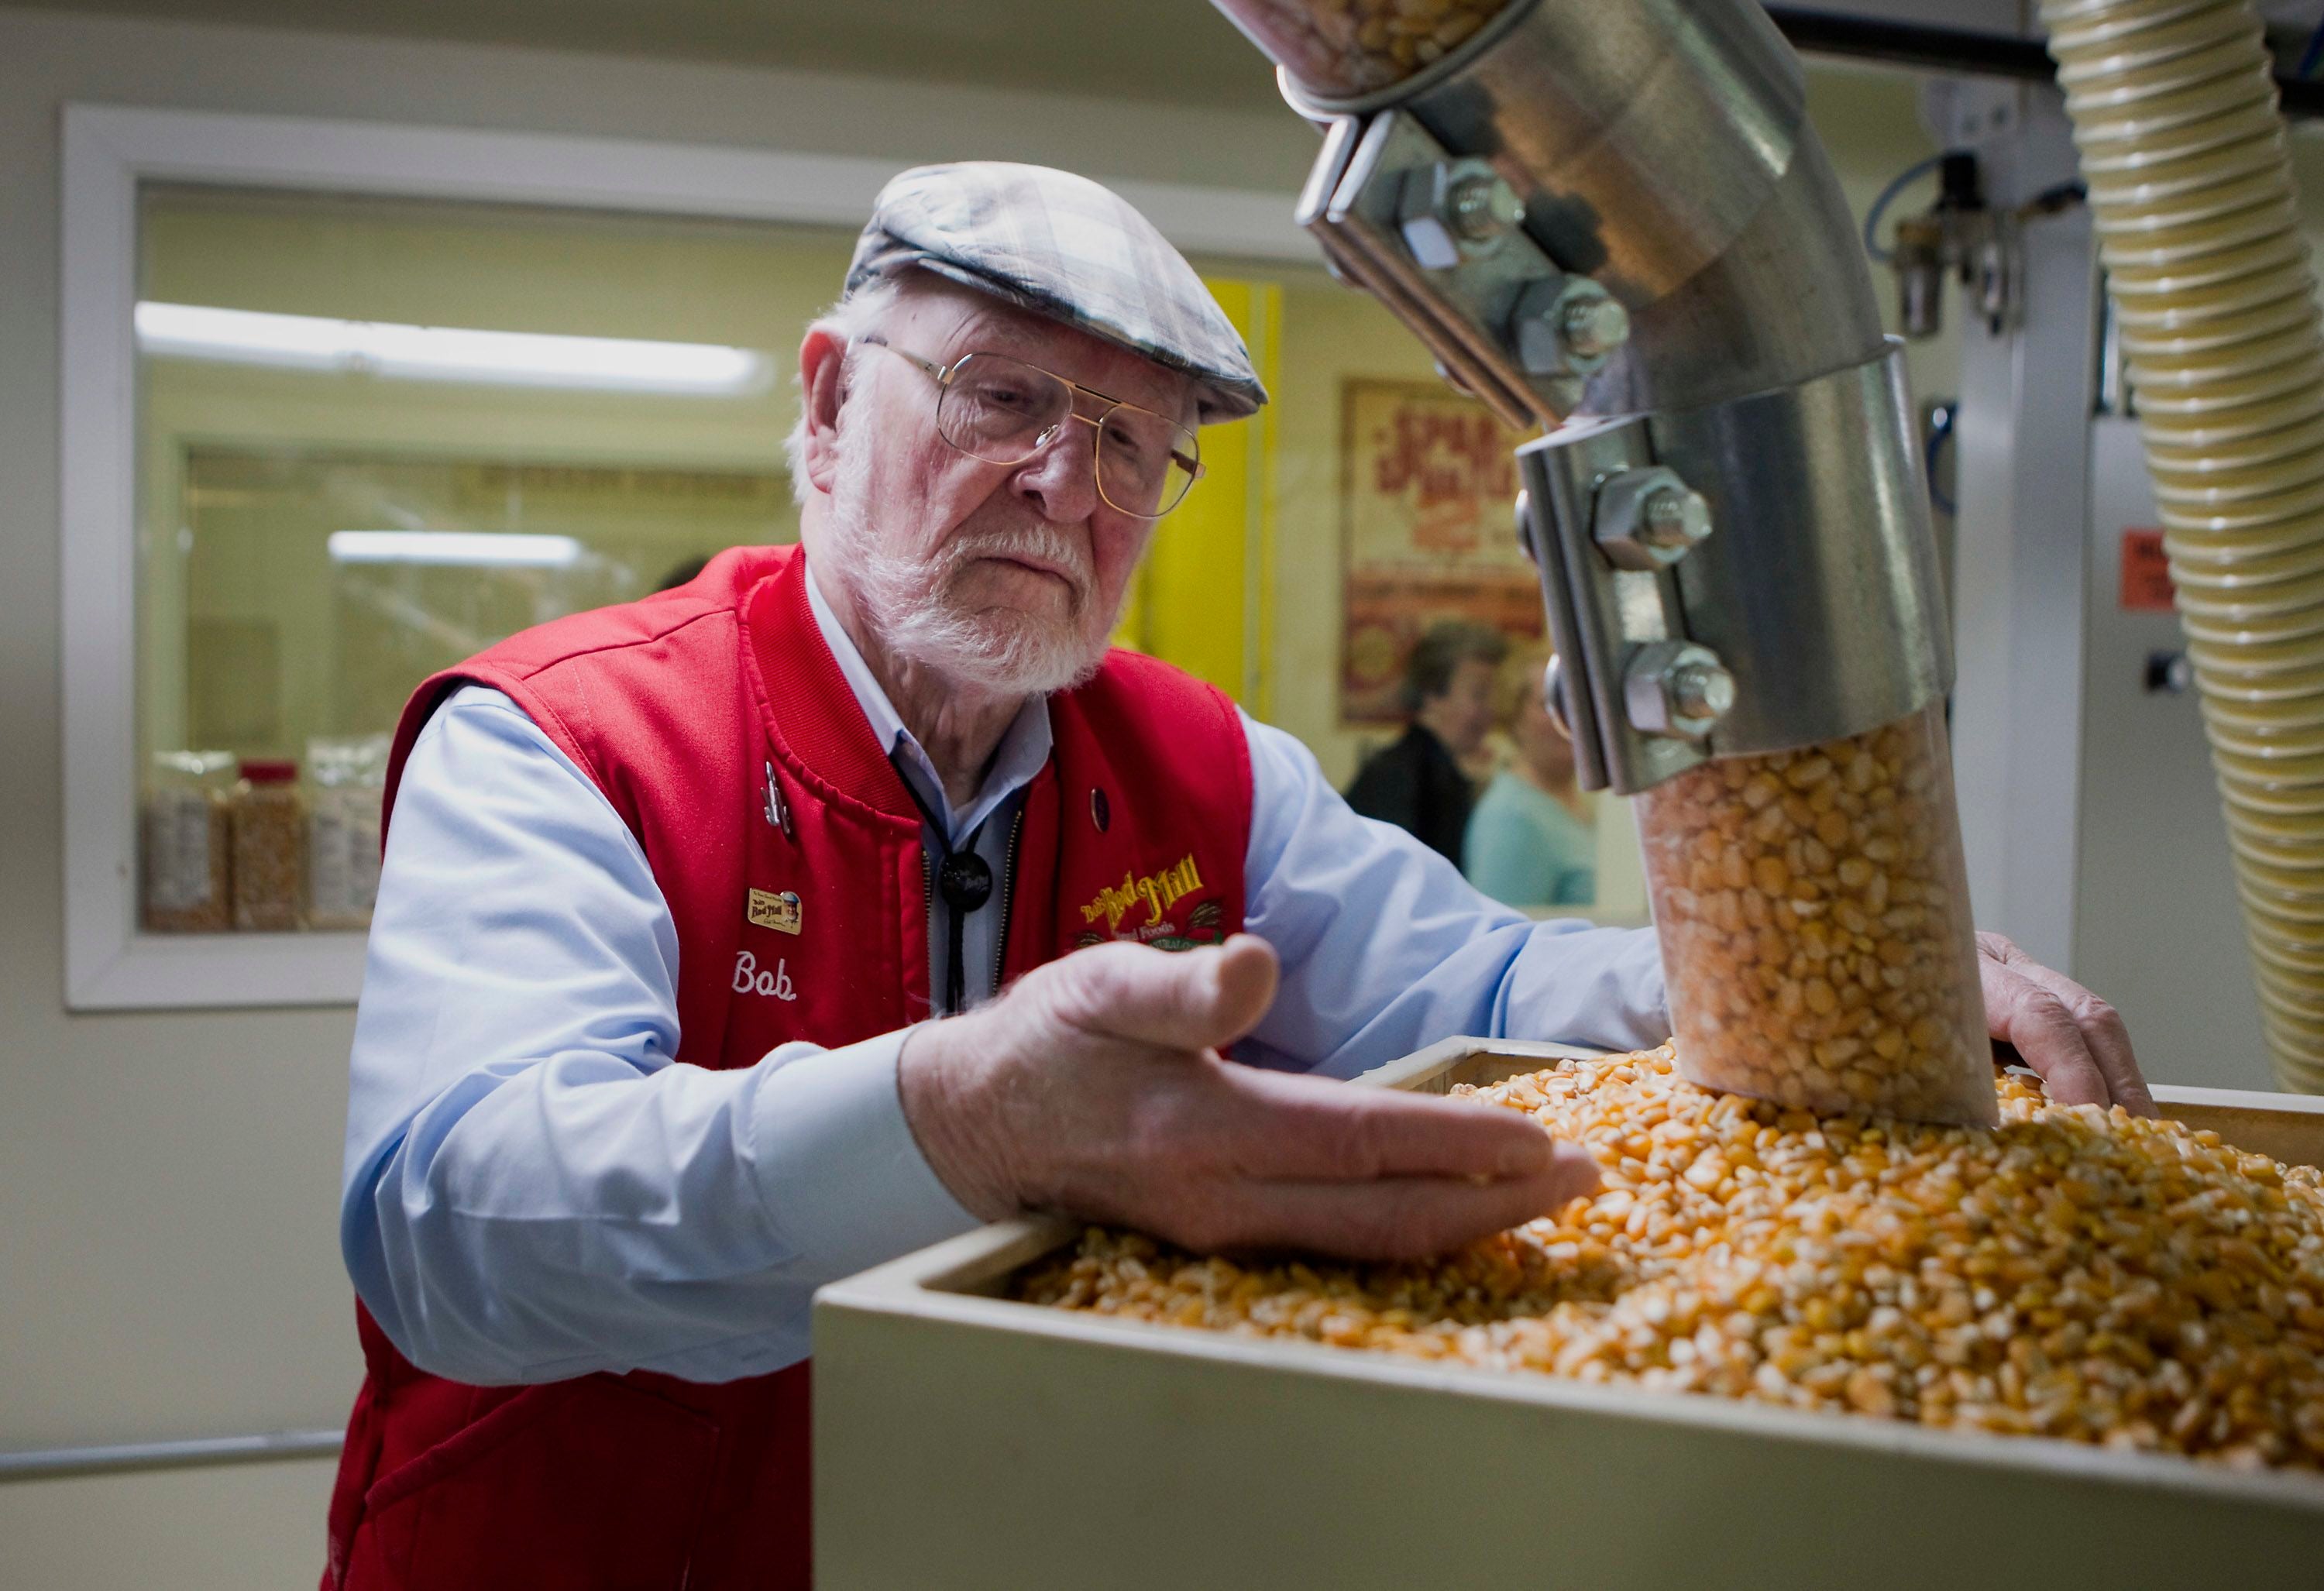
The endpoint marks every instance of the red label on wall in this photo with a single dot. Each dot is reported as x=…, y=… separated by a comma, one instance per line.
x=2145, y=573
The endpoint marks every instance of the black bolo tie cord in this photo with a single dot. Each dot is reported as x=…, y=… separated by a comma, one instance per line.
x=964, y=880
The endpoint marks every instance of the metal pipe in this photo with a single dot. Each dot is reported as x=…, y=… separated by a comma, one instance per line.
x=269, y=1447
x=1662, y=148
x=1612, y=216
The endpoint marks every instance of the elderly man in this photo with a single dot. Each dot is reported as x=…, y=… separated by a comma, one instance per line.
x=723, y=940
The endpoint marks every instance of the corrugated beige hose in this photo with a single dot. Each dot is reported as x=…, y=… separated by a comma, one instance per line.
x=2185, y=153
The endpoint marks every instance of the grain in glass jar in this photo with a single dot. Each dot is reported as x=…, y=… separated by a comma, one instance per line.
x=186, y=866
x=346, y=787
x=270, y=847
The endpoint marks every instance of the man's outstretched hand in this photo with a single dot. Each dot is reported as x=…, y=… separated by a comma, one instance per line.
x=1094, y=1088
x=2069, y=1035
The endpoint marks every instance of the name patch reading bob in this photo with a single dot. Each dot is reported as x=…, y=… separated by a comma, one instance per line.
x=779, y=912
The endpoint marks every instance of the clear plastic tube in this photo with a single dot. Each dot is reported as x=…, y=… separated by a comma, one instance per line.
x=1813, y=912
x=1342, y=49
x=2185, y=156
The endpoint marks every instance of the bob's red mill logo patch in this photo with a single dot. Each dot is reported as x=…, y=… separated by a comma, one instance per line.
x=1158, y=893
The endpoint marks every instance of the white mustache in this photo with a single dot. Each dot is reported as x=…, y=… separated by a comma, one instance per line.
x=1038, y=543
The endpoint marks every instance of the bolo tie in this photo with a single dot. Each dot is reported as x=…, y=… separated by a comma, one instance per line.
x=963, y=879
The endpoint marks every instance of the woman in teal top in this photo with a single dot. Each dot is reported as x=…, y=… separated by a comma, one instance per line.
x=1531, y=842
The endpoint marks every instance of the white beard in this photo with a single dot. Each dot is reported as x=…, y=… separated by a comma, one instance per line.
x=910, y=604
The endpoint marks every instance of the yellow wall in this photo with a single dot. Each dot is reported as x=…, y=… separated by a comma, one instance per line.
x=1202, y=600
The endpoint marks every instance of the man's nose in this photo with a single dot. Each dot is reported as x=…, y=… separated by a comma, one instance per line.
x=1061, y=479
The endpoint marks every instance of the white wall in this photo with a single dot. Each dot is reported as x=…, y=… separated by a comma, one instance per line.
x=168, y=1263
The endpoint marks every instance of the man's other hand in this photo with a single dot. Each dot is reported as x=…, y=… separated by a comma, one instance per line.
x=1094, y=1088
x=2069, y=1035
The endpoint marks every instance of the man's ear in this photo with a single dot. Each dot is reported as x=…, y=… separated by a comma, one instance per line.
x=823, y=388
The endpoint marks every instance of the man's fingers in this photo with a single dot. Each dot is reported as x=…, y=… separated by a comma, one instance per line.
x=1392, y=1218
x=2101, y=1037
x=2023, y=1013
x=2103, y=1033
x=1189, y=1000
x=1275, y=1127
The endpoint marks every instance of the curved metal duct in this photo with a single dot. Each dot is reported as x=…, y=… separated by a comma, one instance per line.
x=1610, y=220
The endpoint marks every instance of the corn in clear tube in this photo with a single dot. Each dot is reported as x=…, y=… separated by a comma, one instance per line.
x=1813, y=912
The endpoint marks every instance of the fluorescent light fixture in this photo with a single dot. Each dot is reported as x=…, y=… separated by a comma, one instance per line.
x=476, y=549
x=450, y=354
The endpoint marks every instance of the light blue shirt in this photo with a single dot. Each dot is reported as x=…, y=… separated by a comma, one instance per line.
x=533, y=1190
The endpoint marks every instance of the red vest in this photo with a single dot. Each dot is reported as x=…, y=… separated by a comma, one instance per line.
x=802, y=917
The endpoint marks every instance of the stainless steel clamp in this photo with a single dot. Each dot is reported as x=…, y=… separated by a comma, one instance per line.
x=1751, y=577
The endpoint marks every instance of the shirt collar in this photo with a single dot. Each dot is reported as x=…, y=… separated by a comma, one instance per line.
x=1023, y=750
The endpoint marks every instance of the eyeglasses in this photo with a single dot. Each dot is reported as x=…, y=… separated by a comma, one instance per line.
x=1003, y=411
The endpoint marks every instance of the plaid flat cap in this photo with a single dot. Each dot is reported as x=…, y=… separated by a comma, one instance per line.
x=1062, y=246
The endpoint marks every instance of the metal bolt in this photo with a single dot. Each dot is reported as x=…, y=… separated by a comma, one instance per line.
x=1699, y=691
x=1674, y=519
x=1648, y=518
x=1455, y=210
x=1677, y=689
x=1482, y=206
x=1566, y=325
x=1593, y=327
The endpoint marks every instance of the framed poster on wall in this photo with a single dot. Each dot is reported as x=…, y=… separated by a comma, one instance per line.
x=1427, y=533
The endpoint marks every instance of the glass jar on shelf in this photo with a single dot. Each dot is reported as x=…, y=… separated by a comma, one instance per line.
x=187, y=866
x=346, y=786
x=270, y=847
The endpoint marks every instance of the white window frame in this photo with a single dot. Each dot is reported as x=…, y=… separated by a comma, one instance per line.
x=109, y=151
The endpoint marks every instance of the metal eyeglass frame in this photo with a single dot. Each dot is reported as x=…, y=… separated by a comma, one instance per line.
x=943, y=374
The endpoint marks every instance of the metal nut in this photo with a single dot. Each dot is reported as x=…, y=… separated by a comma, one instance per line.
x=1677, y=689
x=1567, y=325
x=1455, y=209
x=1649, y=519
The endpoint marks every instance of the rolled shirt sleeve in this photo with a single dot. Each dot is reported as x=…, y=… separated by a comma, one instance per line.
x=1385, y=949
x=532, y=1188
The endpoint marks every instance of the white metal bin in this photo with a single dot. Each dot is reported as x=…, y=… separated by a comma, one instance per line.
x=964, y=1441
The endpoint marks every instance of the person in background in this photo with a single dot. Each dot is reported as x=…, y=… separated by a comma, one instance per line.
x=1416, y=781
x=1531, y=841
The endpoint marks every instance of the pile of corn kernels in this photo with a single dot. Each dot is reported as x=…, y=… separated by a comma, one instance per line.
x=1813, y=912
x=1348, y=47
x=2077, y=1274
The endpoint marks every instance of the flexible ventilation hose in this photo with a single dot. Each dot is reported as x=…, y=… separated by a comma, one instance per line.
x=2186, y=161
